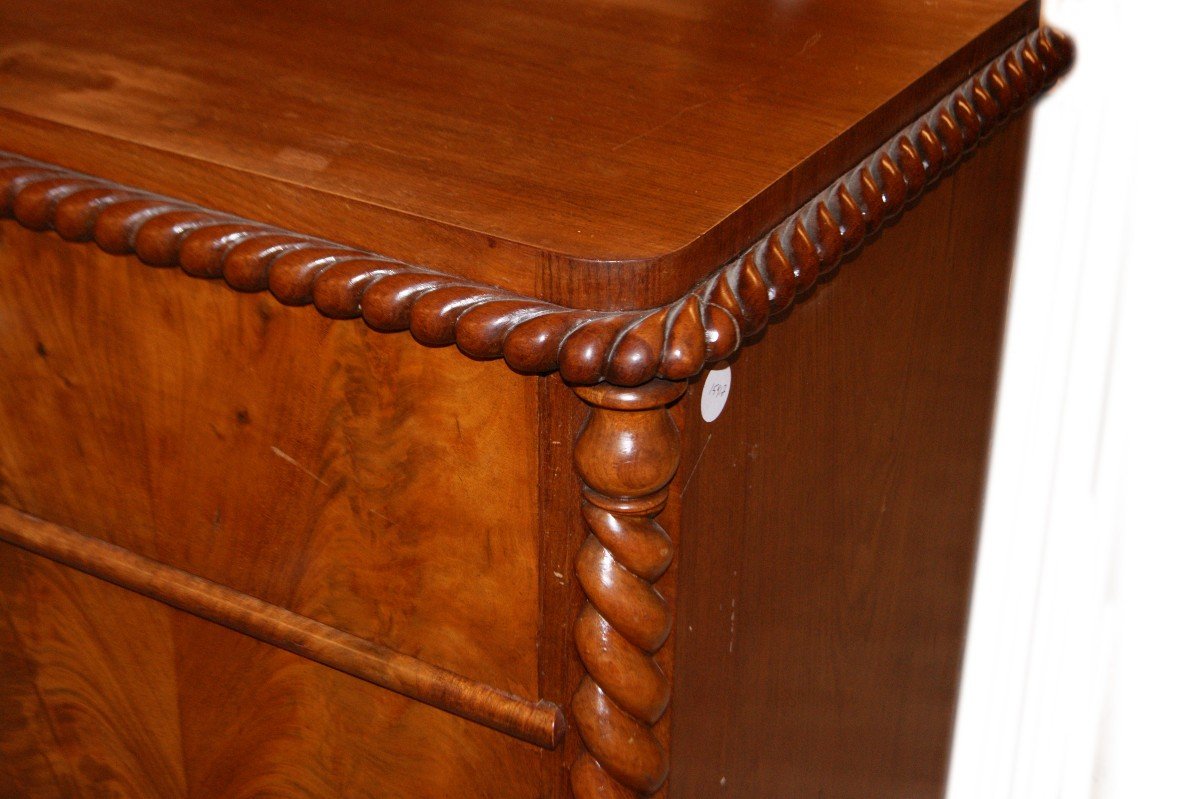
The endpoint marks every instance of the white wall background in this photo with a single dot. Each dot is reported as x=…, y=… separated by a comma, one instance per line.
x=1082, y=674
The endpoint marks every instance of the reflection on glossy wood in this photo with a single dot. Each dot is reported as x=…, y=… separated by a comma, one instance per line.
x=627, y=147
x=674, y=342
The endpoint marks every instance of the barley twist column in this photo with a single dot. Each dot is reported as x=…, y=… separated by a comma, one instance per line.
x=627, y=453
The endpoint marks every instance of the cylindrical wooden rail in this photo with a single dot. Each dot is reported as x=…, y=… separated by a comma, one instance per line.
x=541, y=723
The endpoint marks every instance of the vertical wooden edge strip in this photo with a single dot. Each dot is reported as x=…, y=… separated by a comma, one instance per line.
x=560, y=417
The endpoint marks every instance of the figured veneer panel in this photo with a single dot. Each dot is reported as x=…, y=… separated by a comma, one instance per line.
x=136, y=699
x=365, y=481
x=92, y=682
x=539, y=723
x=830, y=515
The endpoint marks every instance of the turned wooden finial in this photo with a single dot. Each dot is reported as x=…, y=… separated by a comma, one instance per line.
x=627, y=453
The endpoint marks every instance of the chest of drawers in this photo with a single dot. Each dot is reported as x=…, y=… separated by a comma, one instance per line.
x=632, y=440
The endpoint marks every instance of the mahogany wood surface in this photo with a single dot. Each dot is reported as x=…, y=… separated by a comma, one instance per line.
x=108, y=693
x=367, y=482
x=621, y=150
x=540, y=723
x=628, y=348
x=830, y=515
x=626, y=455
x=254, y=550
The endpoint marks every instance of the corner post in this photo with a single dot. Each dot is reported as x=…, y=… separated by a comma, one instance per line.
x=627, y=453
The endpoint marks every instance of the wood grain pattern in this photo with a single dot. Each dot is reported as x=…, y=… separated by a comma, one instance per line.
x=830, y=516
x=627, y=452
x=561, y=417
x=634, y=146
x=613, y=197
x=674, y=342
x=93, y=698
x=540, y=723
x=364, y=481
x=132, y=698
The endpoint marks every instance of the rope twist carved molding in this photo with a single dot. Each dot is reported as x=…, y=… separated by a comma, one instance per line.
x=626, y=454
x=675, y=341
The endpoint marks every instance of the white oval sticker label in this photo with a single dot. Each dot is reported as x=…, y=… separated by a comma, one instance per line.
x=716, y=393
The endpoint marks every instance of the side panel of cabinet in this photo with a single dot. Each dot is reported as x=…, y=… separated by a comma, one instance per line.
x=830, y=514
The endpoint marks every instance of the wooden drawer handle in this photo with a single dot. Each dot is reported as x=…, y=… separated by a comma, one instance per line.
x=541, y=722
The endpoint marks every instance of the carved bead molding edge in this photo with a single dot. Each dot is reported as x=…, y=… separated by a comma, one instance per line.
x=627, y=348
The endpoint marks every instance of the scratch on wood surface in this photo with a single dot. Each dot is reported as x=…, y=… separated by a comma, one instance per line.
x=808, y=45
x=732, y=622
x=695, y=466
x=289, y=459
x=664, y=123
x=374, y=512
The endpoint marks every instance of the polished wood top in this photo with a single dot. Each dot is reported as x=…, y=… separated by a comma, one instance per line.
x=650, y=140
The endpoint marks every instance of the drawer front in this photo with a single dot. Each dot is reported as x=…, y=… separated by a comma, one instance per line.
x=106, y=693
x=360, y=480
